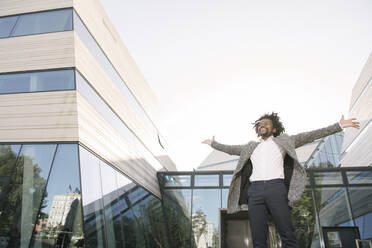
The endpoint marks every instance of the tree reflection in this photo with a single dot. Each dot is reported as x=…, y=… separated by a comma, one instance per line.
x=12, y=170
x=199, y=224
x=178, y=219
x=304, y=219
x=204, y=233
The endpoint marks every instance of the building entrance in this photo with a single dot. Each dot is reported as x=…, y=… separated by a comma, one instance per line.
x=234, y=230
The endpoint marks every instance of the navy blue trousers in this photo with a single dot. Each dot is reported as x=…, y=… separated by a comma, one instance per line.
x=270, y=198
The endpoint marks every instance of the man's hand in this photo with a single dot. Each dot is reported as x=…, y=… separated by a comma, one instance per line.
x=208, y=141
x=349, y=122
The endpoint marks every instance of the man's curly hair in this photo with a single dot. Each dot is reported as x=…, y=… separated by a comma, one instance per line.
x=276, y=123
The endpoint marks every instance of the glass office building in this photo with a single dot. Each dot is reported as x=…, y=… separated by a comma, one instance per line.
x=194, y=206
x=62, y=195
x=327, y=153
x=79, y=144
x=80, y=151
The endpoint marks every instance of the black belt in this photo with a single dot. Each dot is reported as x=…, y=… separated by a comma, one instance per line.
x=268, y=181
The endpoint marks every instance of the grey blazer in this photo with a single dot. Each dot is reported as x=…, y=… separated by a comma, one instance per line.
x=294, y=173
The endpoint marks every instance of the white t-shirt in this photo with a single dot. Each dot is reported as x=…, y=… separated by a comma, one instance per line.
x=267, y=161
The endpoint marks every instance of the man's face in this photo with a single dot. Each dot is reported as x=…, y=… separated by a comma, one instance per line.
x=265, y=128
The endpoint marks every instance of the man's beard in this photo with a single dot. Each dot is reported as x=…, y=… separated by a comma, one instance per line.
x=266, y=134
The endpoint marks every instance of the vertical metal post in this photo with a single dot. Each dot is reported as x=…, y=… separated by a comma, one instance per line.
x=312, y=186
x=191, y=205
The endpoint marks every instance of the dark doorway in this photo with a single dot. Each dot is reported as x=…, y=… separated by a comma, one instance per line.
x=340, y=237
x=234, y=230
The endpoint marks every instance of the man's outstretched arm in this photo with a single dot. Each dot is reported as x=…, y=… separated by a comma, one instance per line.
x=307, y=137
x=230, y=149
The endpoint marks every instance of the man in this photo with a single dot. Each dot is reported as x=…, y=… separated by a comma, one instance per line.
x=268, y=176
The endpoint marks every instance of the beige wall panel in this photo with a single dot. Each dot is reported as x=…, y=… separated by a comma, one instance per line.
x=99, y=136
x=38, y=117
x=98, y=23
x=12, y=7
x=95, y=75
x=37, y=52
x=364, y=77
x=362, y=110
x=363, y=113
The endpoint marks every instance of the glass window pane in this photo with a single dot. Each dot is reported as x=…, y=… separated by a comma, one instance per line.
x=149, y=215
x=322, y=178
x=44, y=22
x=225, y=193
x=6, y=25
x=304, y=220
x=177, y=180
x=8, y=155
x=333, y=206
x=23, y=193
x=132, y=231
x=37, y=81
x=137, y=194
x=206, y=180
x=111, y=206
x=327, y=145
x=92, y=200
x=177, y=210
x=227, y=180
x=205, y=213
x=361, y=204
x=335, y=144
x=133, y=235
x=323, y=159
x=331, y=162
x=359, y=177
x=316, y=160
x=60, y=220
x=124, y=184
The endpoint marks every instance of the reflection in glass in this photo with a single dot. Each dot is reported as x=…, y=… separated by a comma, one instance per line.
x=37, y=81
x=8, y=158
x=111, y=206
x=333, y=206
x=359, y=177
x=206, y=180
x=361, y=204
x=304, y=219
x=137, y=194
x=59, y=222
x=112, y=220
x=329, y=152
x=177, y=180
x=43, y=22
x=92, y=200
x=324, y=178
x=205, y=211
x=177, y=211
x=149, y=215
x=130, y=228
x=23, y=188
x=6, y=25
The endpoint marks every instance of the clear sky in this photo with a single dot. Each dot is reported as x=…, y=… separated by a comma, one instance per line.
x=217, y=65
